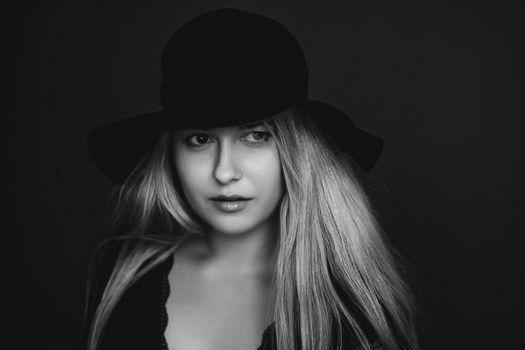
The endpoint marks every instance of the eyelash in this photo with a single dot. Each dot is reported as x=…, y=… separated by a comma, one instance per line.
x=266, y=136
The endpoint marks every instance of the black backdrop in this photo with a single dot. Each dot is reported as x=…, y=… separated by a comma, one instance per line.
x=438, y=80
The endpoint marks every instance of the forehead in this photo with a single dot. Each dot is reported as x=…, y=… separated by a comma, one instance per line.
x=233, y=128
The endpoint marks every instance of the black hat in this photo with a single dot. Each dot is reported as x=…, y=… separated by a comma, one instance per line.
x=226, y=67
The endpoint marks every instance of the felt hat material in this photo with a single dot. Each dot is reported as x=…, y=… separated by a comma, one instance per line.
x=223, y=68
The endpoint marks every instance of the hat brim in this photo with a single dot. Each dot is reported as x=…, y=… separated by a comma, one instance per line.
x=364, y=147
x=116, y=148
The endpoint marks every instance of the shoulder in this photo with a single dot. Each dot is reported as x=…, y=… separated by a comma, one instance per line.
x=349, y=341
x=137, y=311
x=107, y=259
x=349, y=337
x=110, y=255
x=100, y=268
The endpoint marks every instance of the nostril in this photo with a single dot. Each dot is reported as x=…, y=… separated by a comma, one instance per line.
x=226, y=173
x=227, y=177
x=225, y=169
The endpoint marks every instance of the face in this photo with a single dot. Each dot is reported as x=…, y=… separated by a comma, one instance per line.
x=239, y=160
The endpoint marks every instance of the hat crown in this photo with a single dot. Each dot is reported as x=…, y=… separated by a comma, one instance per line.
x=226, y=67
x=228, y=60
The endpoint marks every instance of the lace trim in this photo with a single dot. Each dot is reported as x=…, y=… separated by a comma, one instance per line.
x=268, y=339
x=164, y=294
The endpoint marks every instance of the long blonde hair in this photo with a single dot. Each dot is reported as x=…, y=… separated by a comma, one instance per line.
x=334, y=271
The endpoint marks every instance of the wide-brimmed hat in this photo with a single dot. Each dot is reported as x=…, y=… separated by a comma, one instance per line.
x=223, y=68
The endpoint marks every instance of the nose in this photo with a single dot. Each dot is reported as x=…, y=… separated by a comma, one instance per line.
x=225, y=169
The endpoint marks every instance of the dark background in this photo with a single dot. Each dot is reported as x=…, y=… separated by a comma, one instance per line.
x=437, y=80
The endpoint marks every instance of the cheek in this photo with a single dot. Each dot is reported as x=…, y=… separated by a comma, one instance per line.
x=189, y=172
x=267, y=170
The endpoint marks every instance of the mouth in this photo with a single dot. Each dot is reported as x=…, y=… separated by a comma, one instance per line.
x=231, y=198
x=232, y=204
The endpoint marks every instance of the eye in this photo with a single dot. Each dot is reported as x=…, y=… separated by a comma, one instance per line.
x=196, y=140
x=201, y=139
x=258, y=136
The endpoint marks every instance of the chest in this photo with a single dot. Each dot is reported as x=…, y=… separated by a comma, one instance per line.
x=215, y=313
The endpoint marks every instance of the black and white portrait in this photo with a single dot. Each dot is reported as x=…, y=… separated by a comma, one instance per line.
x=264, y=175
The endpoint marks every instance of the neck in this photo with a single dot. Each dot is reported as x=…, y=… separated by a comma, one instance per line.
x=248, y=253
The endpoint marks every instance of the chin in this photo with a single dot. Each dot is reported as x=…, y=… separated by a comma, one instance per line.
x=231, y=227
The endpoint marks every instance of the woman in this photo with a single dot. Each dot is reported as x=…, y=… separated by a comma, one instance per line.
x=241, y=220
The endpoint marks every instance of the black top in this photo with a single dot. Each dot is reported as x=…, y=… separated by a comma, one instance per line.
x=139, y=319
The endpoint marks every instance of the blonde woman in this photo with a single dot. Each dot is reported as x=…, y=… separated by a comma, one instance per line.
x=241, y=221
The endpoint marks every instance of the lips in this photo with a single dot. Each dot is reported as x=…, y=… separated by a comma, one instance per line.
x=231, y=204
x=230, y=198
